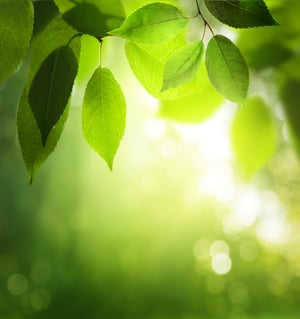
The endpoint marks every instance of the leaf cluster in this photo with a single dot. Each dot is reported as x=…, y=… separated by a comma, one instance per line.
x=170, y=68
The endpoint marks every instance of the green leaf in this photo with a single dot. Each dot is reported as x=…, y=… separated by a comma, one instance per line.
x=103, y=114
x=290, y=97
x=44, y=12
x=51, y=88
x=153, y=23
x=55, y=35
x=16, y=24
x=195, y=107
x=241, y=13
x=148, y=63
x=87, y=18
x=227, y=69
x=182, y=66
x=253, y=136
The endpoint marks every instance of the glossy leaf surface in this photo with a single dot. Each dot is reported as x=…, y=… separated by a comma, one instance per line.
x=241, y=13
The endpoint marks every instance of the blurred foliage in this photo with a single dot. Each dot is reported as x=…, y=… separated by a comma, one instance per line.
x=142, y=242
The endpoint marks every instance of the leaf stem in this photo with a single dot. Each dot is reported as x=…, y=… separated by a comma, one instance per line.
x=206, y=24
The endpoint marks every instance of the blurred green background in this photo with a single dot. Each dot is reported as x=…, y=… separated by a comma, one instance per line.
x=173, y=232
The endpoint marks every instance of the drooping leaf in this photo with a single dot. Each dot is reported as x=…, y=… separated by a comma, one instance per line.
x=153, y=23
x=241, y=13
x=55, y=35
x=182, y=66
x=51, y=88
x=16, y=24
x=103, y=114
x=148, y=63
x=227, y=69
x=87, y=18
x=253, y=136
x=195, y=107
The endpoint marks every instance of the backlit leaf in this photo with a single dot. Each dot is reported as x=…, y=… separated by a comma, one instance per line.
x=148, y=63
x=241, y=13
x=153, y=23
x=182, y=65
x=195, y=107
x=227, y=69
x=51, y=88
x=103, y=114
x=16, y=23
x=253, y=136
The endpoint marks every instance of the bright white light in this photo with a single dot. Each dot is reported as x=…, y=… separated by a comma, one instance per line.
x=221, y=263
x=219, y=246
x=273, y=230
x=247, y=207
x=169, y=148
x=218, y=182
x=155, y=129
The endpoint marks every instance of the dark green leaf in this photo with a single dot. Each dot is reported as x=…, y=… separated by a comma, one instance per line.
x=103, y=114
x=182, y=66
x=227, y=69
x=87, y=18
x=16, y=23
x=253, y=136
x=241, y=13
x=44, y=12
x=51, y=88
x=153, y=23
x=290, y=96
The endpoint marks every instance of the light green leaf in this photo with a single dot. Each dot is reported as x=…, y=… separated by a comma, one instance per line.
x=227, y=69
x=253, y=136
x=182, y=66
x=103, y=114
x=148, y=63
x=16, y=23
x=87, y=18
x=55, y=35
x=51, y=88
x=195, y=107
x=241, y=13
x=153, y=23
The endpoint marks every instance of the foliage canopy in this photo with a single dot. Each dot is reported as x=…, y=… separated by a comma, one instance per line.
x=170, y=67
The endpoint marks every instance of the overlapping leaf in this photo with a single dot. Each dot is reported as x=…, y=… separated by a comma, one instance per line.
x=16, y=23
x=103, y=114
x=241, y=13
x=51, y=88
x=182, y=66
x=148, y=63
x=227, y=69
x=153, y=23
x=195, y=107
x=55, y=35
